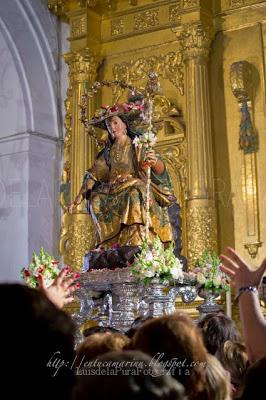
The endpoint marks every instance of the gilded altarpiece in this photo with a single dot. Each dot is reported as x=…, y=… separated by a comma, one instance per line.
x=191, y=44
x=125, y=40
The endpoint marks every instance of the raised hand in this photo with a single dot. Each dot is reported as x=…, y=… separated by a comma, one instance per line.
x=61, y=290
x=238, y=270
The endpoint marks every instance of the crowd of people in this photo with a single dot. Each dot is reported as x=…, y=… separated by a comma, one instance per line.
x=170, y=357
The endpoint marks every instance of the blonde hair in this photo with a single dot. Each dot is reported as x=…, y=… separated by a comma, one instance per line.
x=217, y=380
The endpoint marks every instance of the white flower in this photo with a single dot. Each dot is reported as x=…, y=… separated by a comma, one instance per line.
x=149, y=256
x=217, y=281
x=136, y=141
x=176, y=273
x=156, y=266
x=201, y=278
x=148, y=273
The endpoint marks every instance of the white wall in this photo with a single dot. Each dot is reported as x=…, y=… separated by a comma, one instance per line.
x=32, y=91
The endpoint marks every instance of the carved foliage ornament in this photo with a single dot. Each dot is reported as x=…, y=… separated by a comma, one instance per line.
x=190, y=3
x=174, y=13
x=146, y=19
x=201, y=230
x=57, y=6
x=82, y=65
x=168, y=66
x=195, y=39
x=78, y=27
x=117, y=27
x=236, y=3
x=78, y=239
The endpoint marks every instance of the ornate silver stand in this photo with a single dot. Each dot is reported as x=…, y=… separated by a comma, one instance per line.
x=161, y=298
x=209, y=305
x=114, y=298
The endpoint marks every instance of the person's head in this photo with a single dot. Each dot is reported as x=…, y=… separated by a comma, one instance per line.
x=99, y=329
x=136, y=324
x=129, y=375
x=116, y=127
x=217, y=380
x=217, y=329
x=97, y=344
x=254, y=382
x=40, y=342
x=234, y=358
x=175, y=337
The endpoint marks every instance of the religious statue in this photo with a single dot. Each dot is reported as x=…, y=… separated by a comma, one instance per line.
x=115, y=186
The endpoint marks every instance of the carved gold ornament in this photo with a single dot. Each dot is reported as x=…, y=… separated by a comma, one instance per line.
x=202, y=234
x=168, y=66
x=146, y=19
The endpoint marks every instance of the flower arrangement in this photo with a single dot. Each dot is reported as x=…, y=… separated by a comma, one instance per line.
x=44, y=266
x=147, y=140
x=125, y=108
x=155, y=262
x=208, y=273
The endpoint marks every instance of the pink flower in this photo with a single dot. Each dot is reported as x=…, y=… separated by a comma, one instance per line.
x=114, y=108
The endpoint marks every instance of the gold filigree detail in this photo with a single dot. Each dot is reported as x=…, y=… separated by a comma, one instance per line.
x=117, y=27
x=253, y=248
x=195, y=39
x=58, y=7
x=201, y=230
x=174, y=13
x=82, y=65
x=190, y=3
x=176, y=156
x=146, y=19
x=168, y=66
x=78, y=27
x=77, y=238
x=236, y=3
x=68, y=123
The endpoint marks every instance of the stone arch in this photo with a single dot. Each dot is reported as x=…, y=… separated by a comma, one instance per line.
x=24, y=26
x=30, y=150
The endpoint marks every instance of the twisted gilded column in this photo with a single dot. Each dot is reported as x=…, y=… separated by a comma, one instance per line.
x=77, y=232
x=201, y=210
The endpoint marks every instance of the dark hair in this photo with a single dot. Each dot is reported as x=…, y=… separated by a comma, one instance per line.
x=99, y=329
x=36, y=335
x=254, y=382
x=217, y=329
x=131, y=375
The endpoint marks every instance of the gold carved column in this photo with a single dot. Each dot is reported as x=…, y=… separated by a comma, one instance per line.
x=77, y=234
x=195, y=42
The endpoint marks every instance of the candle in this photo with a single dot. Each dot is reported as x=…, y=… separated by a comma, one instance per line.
x=228, y=303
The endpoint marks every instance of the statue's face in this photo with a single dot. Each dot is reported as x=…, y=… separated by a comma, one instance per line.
x=116, y=127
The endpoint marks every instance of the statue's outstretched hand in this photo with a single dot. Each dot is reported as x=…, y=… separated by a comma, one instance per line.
x=75, y=203
x=71, y=207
